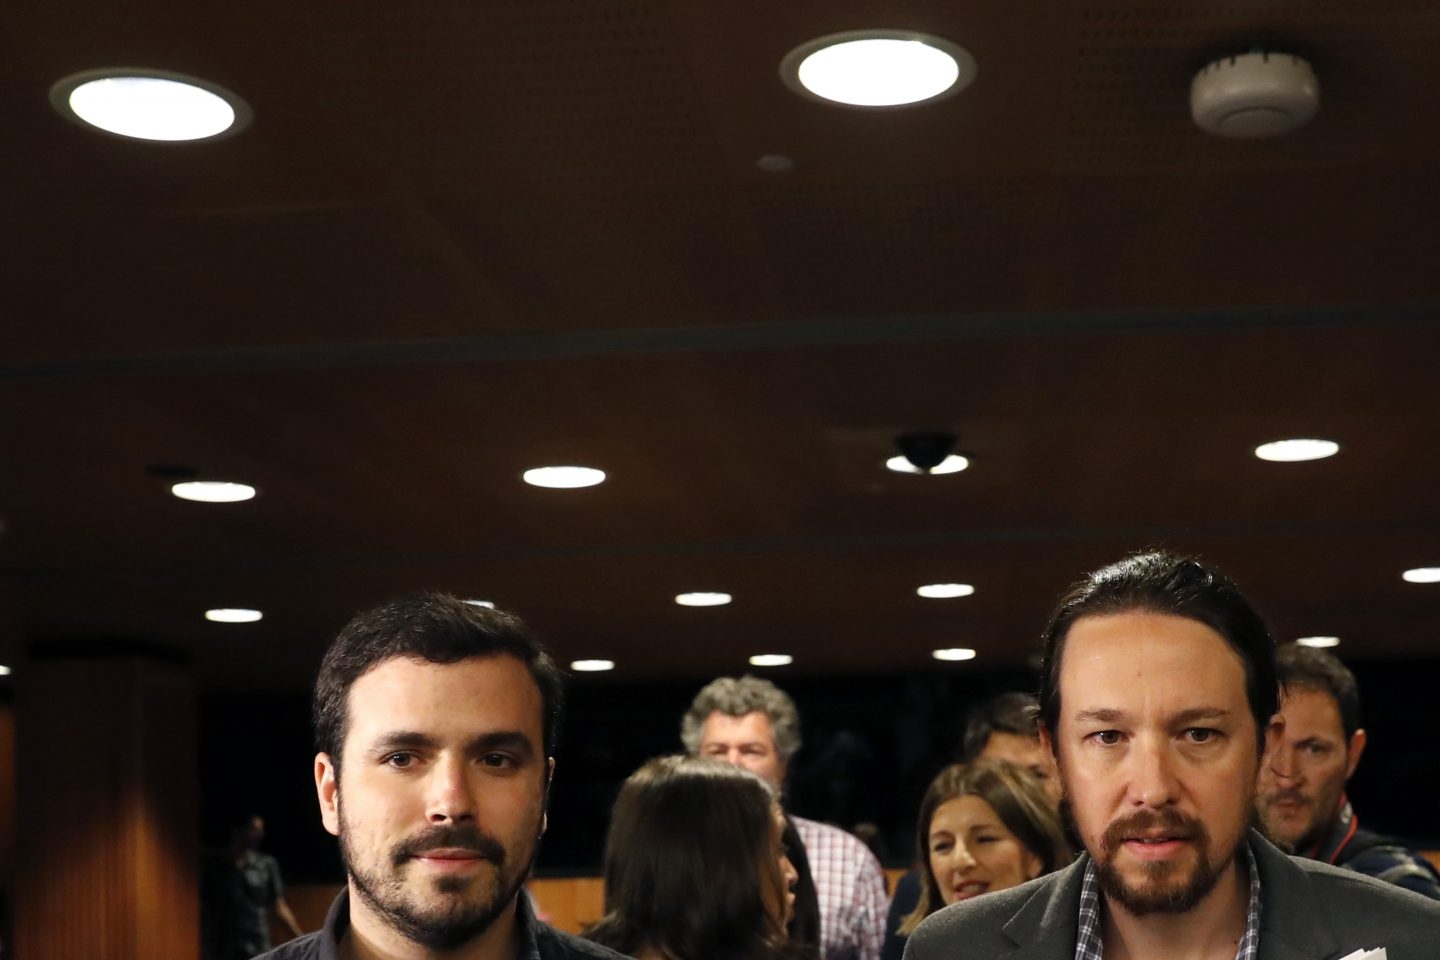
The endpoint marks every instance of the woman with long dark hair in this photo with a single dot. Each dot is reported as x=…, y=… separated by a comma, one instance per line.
x=694, y=866
x=984, y=826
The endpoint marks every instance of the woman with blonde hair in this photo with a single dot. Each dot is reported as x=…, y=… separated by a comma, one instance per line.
x=984, y=826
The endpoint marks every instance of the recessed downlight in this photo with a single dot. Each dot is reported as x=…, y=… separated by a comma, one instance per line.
x=592, y=666
x=944, y=591
x=154, y=105
x=487, y=604
x=564, y=478
x=4, y=670
x=1422, y=575
x=953, y=654
x=953, y=463
x=878, y=68
x=213, y=491
x=771, y=660
x=1318, y=642
x=233, y=615
x=1297, y=450
x=702, y=599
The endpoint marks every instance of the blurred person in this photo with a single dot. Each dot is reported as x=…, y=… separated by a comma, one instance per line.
x=1004, y=727
x=984, y=826
x=1159, y=701
x=1302, y=789
x=240, y=886
x=435, y=730
x=749, y=722
x=695, y=866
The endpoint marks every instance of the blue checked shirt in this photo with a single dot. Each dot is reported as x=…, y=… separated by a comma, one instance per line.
x=1089, y=947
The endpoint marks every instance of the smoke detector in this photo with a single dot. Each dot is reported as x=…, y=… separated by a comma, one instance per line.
x=1254, y=95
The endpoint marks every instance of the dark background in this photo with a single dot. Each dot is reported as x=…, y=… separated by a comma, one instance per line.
x=871, y=746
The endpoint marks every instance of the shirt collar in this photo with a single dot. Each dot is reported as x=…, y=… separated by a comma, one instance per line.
x=1088, y=944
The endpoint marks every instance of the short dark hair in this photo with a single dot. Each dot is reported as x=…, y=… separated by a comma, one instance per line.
x=1322, y=671
x=436, y=628
x=1160, y=582
x=1017, y=799
x=691, y=862
x=1015, y=713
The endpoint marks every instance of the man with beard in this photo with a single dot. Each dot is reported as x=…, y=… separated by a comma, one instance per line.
x=1157, y=702
x=435, y=726
x=1302, y=789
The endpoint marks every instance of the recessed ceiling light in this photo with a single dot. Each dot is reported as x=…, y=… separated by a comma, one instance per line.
x=1293, y=451
x=878, y=68
x=233, y=615
x=1422, y=575
x=953, y=653
x=954, y=463
x=771, y=660
x=481, y=603
x=4, y=670
x=213, y=491
x=564, y=478
x=150, y=104
x=592, y=666
x=944, y=591
x=702, y=599
x=1318, y=641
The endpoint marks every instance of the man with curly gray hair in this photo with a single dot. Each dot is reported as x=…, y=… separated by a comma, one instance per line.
x=749, y=722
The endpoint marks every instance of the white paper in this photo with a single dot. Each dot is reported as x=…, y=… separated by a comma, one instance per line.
x=1376, y=954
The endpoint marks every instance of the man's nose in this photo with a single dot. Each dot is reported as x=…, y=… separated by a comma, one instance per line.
x=1284, y=763
x=450, y=796
x=1152, y=781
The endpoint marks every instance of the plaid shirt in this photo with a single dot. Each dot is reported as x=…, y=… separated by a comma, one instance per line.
x=1088, y=945
x=851, y=889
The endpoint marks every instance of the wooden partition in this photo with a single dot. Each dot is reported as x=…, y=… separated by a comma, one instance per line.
x=107, y=802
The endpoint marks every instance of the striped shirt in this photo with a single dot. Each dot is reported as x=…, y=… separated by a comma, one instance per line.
x=851, y=889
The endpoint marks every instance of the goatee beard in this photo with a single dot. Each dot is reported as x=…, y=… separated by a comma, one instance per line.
x=1162, y=888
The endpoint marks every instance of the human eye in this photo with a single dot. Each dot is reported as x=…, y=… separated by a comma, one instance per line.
x=941, y=846
x=1202, y=735
x=399, y=760
x=986, y=838
x=1106, y=738
x=498, y=761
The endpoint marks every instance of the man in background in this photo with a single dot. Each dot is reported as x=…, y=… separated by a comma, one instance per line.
x=751, y=723
x=1302, y=789
x=240, y=888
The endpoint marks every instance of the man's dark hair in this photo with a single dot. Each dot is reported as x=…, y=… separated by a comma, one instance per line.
x=432, y=627
x=1007, y=713
x=1321, y=671
x=1159, y=582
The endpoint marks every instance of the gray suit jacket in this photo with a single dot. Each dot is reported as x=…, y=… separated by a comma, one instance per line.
x=1309, y=911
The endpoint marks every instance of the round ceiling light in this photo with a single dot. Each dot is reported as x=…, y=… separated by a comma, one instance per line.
x=213, y=491
x=564, y=478
x=1294, y=451
x=878, y=68
x=771, y=660
x=1318, y=642
x=702, y=599
x=954, y=463
x=487, y=604
x=233, y=615
x=592, y=666
x=953, y=654
x=1422, y=575
x=944, y=591
x=155, y=105
x=4, y=670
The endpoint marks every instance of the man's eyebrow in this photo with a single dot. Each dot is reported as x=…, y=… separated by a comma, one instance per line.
x=1101, y=715
x=513, y=740
x=1201, y=713
x=401, y=740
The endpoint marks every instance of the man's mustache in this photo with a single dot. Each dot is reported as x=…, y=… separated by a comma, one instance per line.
x=1170, y=822
x=453, y=837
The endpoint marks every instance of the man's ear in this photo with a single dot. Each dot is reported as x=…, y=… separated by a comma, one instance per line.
x=545, y=799
x=1048, y=746
x=327, y=791
x=1357, y=747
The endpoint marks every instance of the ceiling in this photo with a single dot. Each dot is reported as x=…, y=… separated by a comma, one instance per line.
x=462, y=239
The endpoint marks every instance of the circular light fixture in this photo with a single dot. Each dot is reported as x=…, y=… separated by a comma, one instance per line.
x=1253, y=95
x=953, y=654
x=481, y=603
x=1422, y=575
x=954, y=463
x=233, y=615
x=702, y=599
x=213, y=491
x=1294, y=451
x=1319, y=642
x=155, y=105
x=878, y=68
x=771, y=660
x=944, y=591
x=4, y=670
x=564, y=478
x=592, y=666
